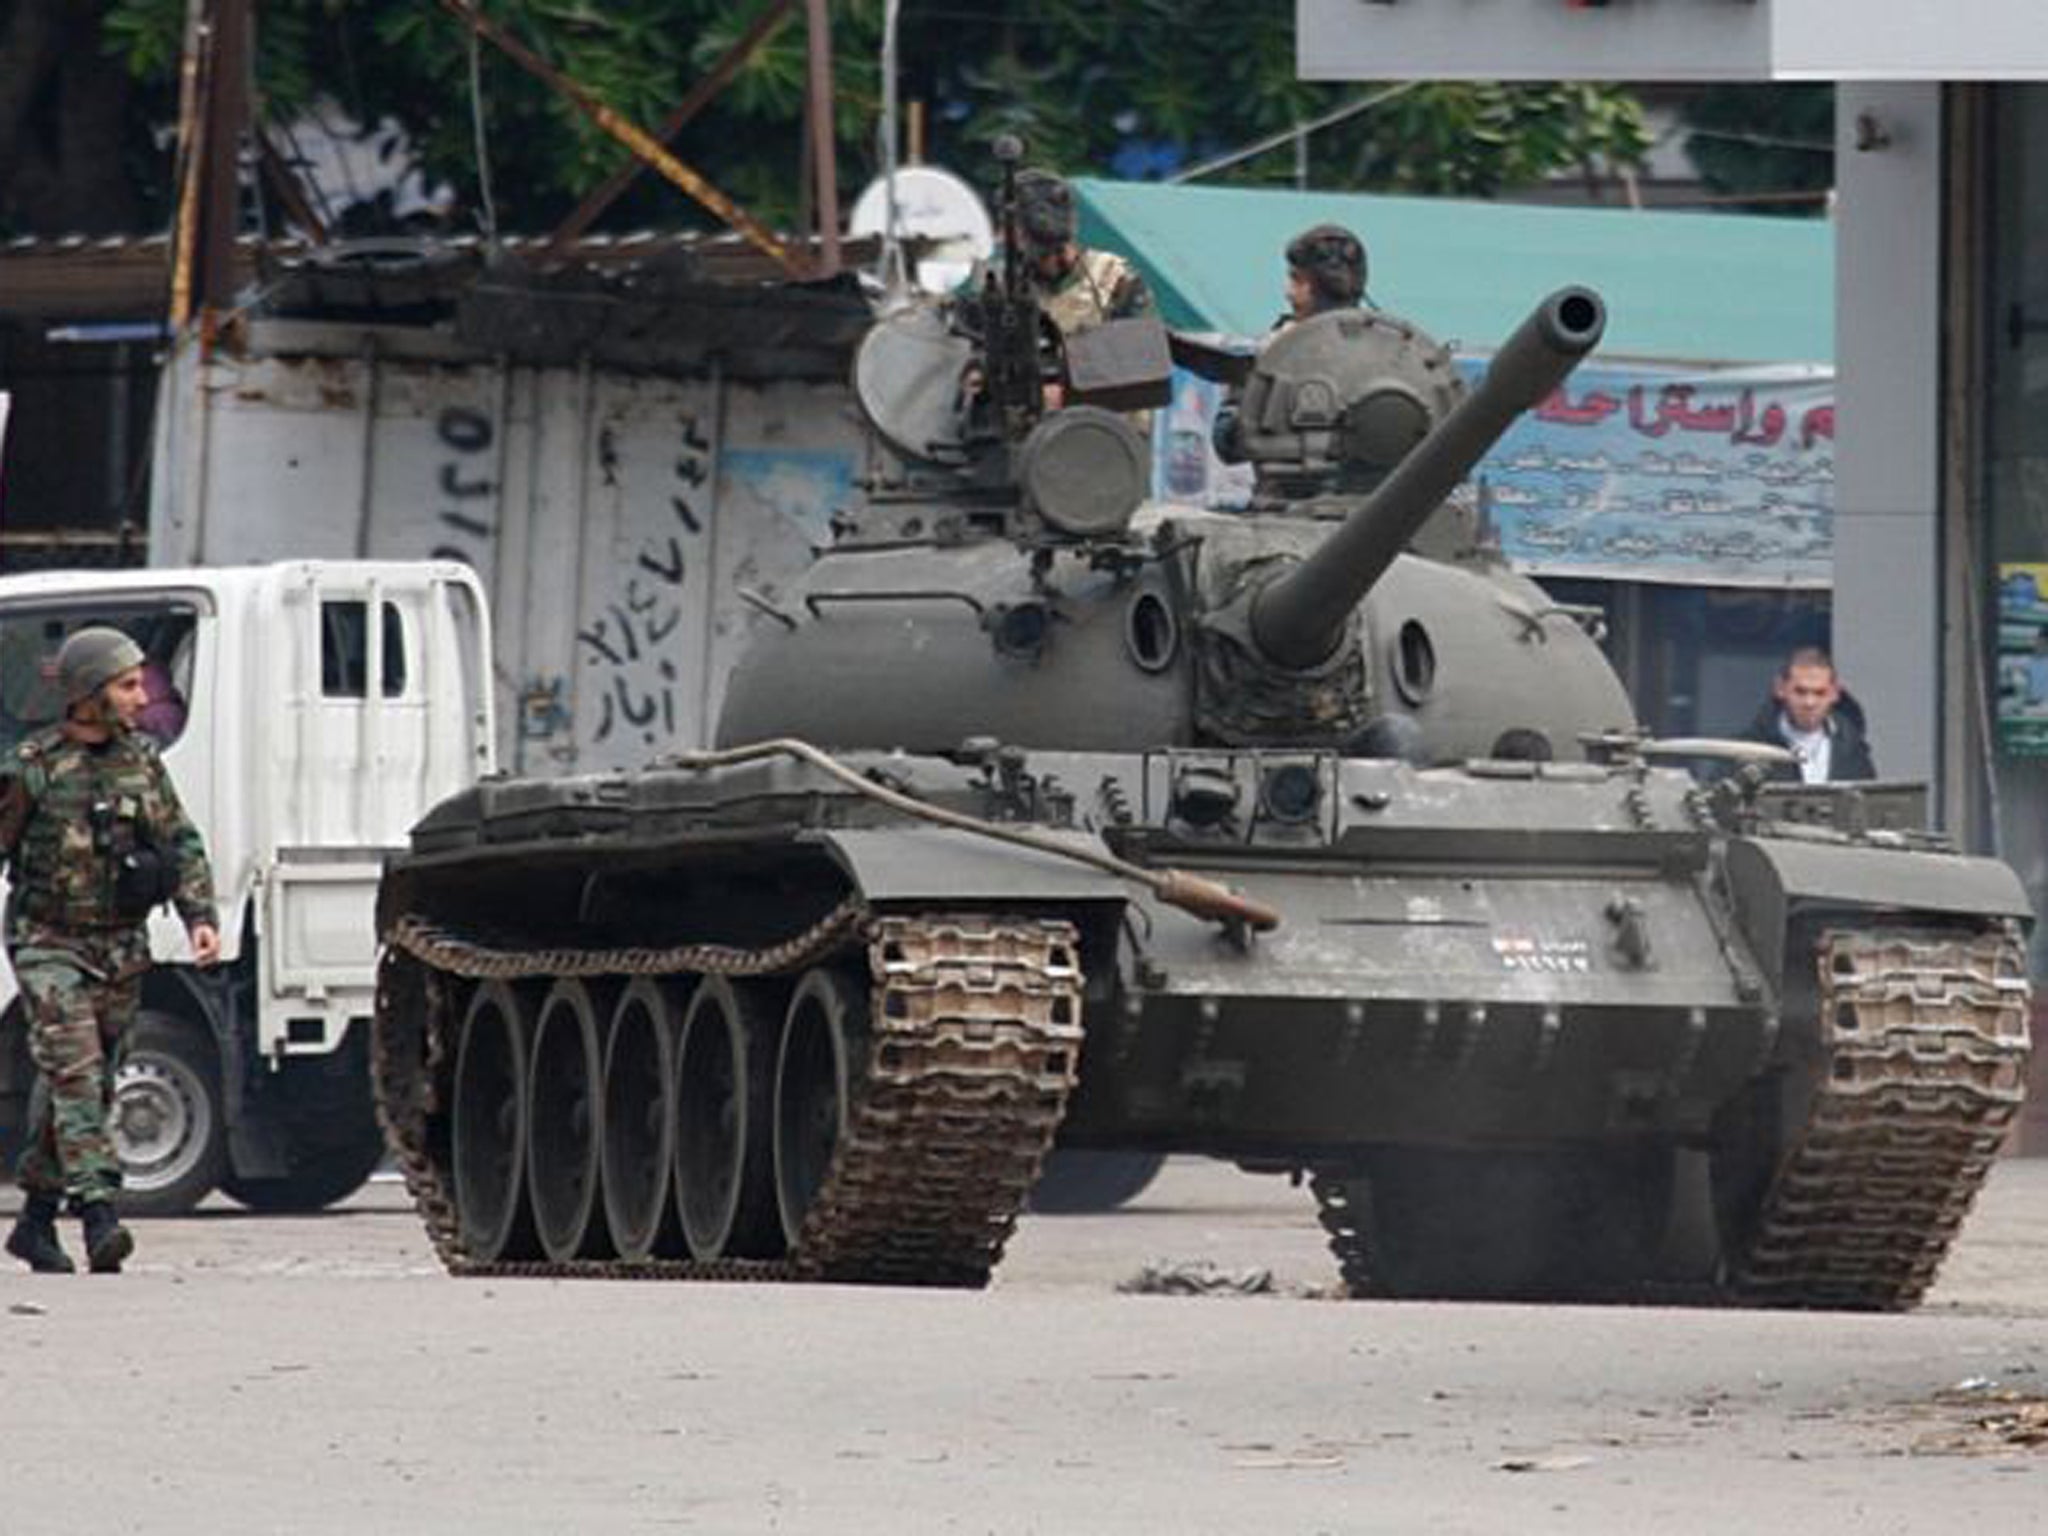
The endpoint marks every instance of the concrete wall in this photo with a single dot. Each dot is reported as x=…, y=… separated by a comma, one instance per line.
x=1888, y=318
x=1672, y=40
x=615, y=519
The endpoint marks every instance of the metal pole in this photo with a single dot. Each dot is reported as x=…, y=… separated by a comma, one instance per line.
x=191, y=144
x=220, y=197
x=824, y=151
x=892, y=275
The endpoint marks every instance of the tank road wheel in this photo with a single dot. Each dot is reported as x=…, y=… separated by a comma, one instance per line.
x=639, y=1122
x=564, y=1124
x=488, y=1128
x=827, y=1016
x=725, y=1163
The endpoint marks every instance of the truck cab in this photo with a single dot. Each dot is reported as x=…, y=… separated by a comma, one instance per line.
x=308, y=711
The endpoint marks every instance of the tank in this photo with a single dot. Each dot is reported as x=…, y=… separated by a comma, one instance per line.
x=1309, y=837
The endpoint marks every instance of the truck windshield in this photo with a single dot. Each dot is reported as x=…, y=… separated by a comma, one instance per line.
x=30, y=635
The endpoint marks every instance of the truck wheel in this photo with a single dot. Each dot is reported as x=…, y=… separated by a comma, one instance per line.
x=1086, y=1183
x=319, y=1178
x=167, y=1123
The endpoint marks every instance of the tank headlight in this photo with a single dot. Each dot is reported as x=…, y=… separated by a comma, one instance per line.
x=1021, y=631
x=1291, y=792
x=1083, y=471
x=1204, y=797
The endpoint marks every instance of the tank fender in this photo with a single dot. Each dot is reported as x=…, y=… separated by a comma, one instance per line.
x=938, y=864
x=1770, y=877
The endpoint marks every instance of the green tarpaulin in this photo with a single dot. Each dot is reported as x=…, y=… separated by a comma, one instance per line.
x=1693, y=288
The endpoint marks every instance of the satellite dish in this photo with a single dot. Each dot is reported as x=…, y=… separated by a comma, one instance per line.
x=935, y=205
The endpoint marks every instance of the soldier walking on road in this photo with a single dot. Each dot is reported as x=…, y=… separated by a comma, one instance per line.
x=96, y=839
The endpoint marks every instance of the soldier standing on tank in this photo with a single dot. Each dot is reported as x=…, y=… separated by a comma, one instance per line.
x=1325, y=271
x=96, y=838
x=1077, y=287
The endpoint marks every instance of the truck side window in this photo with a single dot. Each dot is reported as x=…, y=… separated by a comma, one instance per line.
x=345, y=649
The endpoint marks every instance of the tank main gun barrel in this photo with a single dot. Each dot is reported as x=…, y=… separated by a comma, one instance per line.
x=1298, y=619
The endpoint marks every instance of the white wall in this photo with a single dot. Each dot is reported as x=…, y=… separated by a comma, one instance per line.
x=612, y=517
x=1888, y=318
x=1672, y=39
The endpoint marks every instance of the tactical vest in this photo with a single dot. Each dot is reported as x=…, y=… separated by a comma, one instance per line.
x=95, y=805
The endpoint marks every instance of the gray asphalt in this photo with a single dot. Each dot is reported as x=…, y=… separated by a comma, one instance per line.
x=319, y=1375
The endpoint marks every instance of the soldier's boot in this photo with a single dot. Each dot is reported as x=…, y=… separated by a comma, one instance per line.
x=107, y=1242
x=34, y=1238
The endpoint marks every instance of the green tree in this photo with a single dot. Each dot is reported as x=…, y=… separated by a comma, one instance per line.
x=1091, y=87
x=1772, y=143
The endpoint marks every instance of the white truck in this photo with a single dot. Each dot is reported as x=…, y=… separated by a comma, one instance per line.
x=309, y=711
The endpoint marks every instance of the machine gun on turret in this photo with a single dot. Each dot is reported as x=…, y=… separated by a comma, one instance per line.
x=1006, y=321
x=960, y=390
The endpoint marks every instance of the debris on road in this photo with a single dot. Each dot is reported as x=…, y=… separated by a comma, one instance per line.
x=1995, y=1421
x=1198, y=1277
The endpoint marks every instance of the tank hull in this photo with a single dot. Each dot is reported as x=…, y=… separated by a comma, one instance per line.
x=1561, y=989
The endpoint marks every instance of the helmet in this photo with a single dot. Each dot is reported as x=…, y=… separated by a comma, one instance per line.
x=1332, y=259
x=1046, y=216
x=92, y=657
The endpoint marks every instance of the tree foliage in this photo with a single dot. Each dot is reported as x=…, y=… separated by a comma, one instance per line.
x=1772, y=142
x=1140, y=87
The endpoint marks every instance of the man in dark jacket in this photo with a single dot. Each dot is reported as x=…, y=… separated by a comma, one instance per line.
x=1808, y=714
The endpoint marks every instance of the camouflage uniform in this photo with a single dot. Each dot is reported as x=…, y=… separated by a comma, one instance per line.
x=1100, y=286
x=68, y=810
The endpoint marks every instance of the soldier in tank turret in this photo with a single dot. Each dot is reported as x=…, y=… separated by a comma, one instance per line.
x=1326, y=268
x=1076, y=286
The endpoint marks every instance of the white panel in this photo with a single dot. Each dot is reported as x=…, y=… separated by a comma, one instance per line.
x=1904, y=40
x=610, y=516
x=1671, y=40
x=1532, y=40
x=1888, y=308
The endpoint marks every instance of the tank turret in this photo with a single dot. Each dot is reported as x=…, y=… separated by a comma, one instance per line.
x=1299, y=618
x=1006, y=579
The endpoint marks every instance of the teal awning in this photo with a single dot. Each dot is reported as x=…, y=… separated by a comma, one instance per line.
x=1695, y=288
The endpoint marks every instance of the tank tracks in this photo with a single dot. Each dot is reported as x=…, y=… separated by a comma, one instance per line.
x=973, y=1045
x=1923, y=1041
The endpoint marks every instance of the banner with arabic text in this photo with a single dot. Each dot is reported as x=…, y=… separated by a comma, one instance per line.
x=1626, y=473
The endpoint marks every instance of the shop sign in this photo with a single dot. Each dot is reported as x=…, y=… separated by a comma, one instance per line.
x=1708, y=478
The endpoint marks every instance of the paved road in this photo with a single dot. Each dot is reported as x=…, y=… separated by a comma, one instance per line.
x=319, y=1375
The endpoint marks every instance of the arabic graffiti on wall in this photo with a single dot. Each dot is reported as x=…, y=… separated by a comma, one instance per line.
x=630, y=643
x=1640, y=474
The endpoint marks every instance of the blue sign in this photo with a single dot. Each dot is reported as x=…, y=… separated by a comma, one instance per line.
x=1625, y=473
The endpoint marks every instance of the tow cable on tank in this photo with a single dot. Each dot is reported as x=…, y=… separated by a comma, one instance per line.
x=1207, y=899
